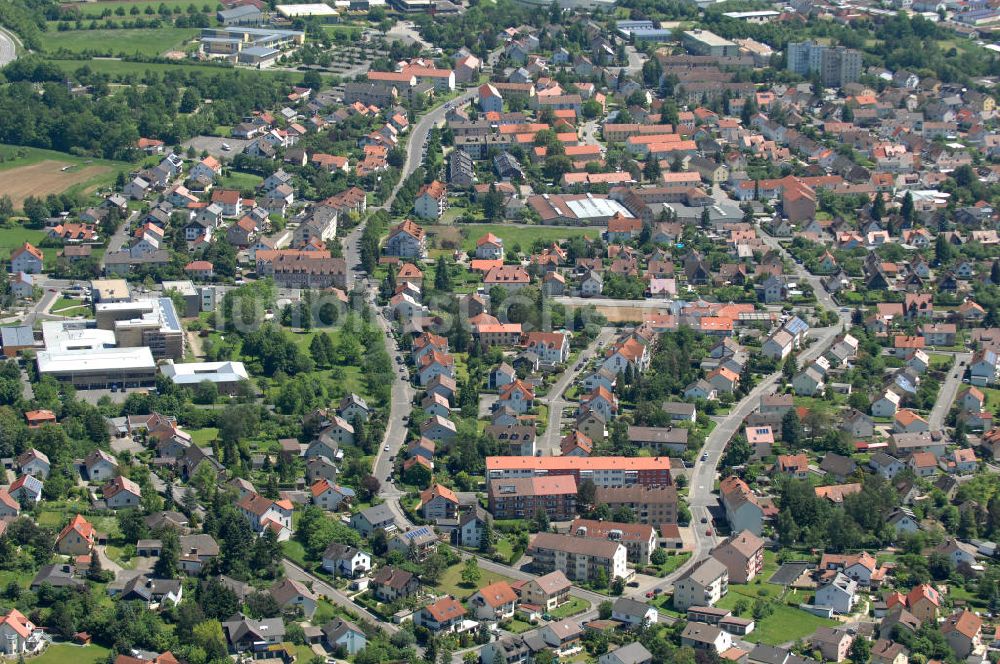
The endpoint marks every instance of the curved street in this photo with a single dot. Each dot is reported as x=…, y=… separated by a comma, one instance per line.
x=8, y=47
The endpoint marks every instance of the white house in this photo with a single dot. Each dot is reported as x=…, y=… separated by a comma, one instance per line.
x=886, y=405
x=839, y=594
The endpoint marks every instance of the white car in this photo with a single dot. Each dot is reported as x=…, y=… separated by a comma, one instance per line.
x=385, y=449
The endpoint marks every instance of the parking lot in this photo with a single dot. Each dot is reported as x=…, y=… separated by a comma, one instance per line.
x=213, y=145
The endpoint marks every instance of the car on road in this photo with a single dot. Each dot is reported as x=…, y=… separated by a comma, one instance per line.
x=709, y=532
x=385, y=449
x=226, y=147
x=649, y=595
x=704, y=519
x=632, y=584
x=704, y=456
x=657, y=591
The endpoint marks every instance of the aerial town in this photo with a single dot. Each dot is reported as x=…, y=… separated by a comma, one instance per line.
x=500, y=332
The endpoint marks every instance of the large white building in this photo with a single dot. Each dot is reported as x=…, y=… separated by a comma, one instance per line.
x=226, y=376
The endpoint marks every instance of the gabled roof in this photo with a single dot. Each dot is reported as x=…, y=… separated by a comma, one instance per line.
x=445, y=609
x=79, y=525
x=497, y=594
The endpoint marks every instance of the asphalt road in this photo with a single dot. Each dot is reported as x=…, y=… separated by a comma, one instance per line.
x=321, y=587
x=8, y=48
x=948, y=392
x=549, y=441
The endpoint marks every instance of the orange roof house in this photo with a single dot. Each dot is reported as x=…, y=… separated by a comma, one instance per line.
x=37, y=418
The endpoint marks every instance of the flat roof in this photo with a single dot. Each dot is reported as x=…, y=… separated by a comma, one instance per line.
x=309, y=9
x=757, y=14
x=706, y=37
x=110, y=288
x=67, y=336
x=159, y=311
x=260, y=51
x=192, y=373
x=183, y=286
x=96, y=360
x=597, y=207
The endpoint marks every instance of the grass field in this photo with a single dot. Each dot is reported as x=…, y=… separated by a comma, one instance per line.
x=451, y=582
x=992, y=398
x=121, y=68
x=574, y=606
x=203, y=436
x=126, y=41
x=511, y=235
x=68, y=306
x=940, y=361
x=241, y=181
x=35, y=172
x=60, y=653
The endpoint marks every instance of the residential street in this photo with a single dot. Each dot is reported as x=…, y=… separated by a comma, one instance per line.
x=548, y=443
x=320, y=587
x=948, y=392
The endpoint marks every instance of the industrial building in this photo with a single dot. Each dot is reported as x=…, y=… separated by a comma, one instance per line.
x=319, y=10
x=703, y=42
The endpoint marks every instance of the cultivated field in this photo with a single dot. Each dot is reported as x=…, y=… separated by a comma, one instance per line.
x=46, y=177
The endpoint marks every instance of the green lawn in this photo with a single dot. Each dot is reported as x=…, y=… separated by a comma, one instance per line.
x=451, y=582
x=60, y=653
x=673, y=562
x=15, y=235
x=76, y=306
x=519, y=626
x=294, y=550
x=992, y=398
x=571, y=608
x=127, y=41
x=786, y=623
x=119, y=68
x=511, y=235
x=241, y=181
x=940, y=361
x=203, y=436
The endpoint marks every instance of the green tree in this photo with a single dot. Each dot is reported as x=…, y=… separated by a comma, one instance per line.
x=944, y=252
x=168, y=564
x=206, y=392
x=907, y=210
x=791, y=429
x=541, y=521
x=471, y=573
x=861, y=650
x=208, y=636
x=442, y=276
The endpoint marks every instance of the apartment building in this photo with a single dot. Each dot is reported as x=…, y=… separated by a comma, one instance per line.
x=651, y=505
x=639, y=539
x=703, y=585
x=522, y=497
x=603, y=471
x=578, y=558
